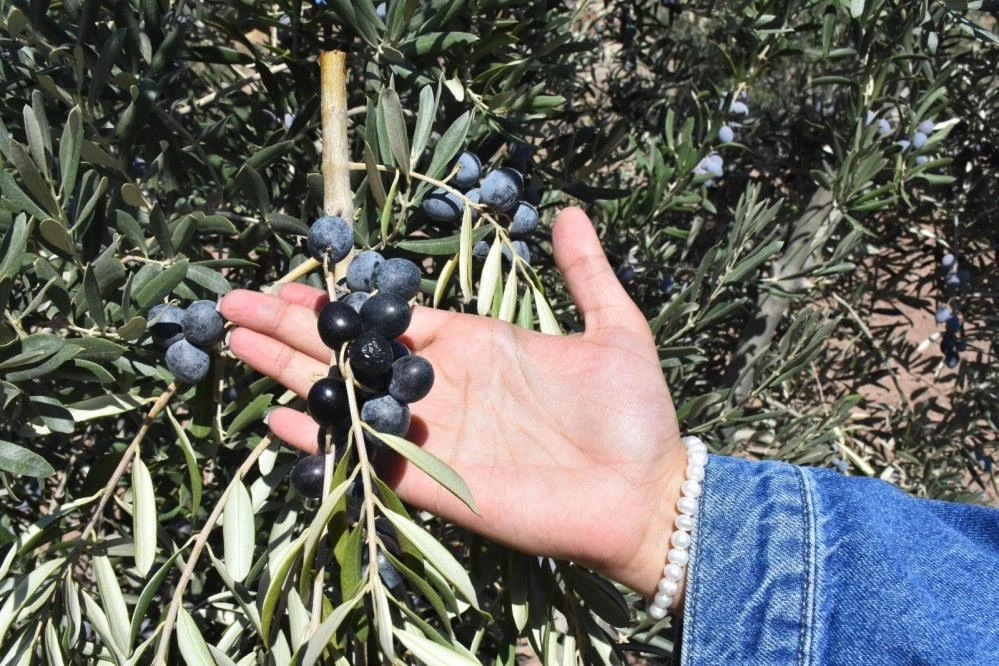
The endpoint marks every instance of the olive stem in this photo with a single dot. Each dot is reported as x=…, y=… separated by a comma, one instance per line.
x=178, y=596
x=130, y=452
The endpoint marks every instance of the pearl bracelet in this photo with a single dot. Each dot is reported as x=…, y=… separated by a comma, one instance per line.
x=679, y=555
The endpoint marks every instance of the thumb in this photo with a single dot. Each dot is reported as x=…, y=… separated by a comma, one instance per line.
x=591, y=280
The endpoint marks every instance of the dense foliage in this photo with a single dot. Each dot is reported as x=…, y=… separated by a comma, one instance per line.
x=778, y=184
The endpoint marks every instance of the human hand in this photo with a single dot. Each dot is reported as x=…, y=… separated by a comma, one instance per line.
x=569, y=444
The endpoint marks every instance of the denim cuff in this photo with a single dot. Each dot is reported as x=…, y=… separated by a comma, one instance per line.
x=795, y=565
x=750, y=594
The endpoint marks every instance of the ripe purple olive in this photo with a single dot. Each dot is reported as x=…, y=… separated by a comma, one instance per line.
x=398, y=276
x=412, y=378
x=469, y=170
x=501, y=188
x=188, y=363
x=202, y=323
x=370, y=353
x=328, y=401
x=387, y=314
x=165, y=324
x=307, y=476
x=362, y=269
x=387, y=415
x=330, y=238
x=338, y=323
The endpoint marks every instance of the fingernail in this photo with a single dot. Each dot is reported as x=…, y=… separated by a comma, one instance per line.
x=267, y=415
x=225, y=340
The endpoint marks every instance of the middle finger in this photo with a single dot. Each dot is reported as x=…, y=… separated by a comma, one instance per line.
x=289, y=323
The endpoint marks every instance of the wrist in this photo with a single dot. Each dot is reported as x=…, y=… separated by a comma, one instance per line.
x=644, y=570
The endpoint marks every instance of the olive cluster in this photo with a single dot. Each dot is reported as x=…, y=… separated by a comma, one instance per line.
x=187, y=334
x=499, y=191
x=361, y=327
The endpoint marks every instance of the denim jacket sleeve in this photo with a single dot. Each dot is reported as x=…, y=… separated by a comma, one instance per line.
x=794, y=565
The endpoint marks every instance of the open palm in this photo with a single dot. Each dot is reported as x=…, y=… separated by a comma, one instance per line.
x=569, y=444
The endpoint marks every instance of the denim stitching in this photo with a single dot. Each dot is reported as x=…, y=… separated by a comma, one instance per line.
x=809, y=595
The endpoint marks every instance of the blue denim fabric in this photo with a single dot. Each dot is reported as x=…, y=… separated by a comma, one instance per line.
x=794, y=565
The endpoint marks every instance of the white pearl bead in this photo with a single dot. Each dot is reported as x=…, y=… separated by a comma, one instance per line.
x=687, y=505
x=695, y=472
x=679, y=557
x=670, y=587
x=680, y=540
x=697, y=457
x=691, y=489
x=692, y=440
x=684, y=522
x=673, y=572
x=657, y=612
x=663, y=600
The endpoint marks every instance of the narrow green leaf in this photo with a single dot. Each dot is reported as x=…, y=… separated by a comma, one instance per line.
x=99, y=621
x=268, y=154
x=450, y=143
x=161, y=230
x=254, y=187
x=144, y=520
x=441, y=246
x=395, y=125
x=12, y=248
x=444, y=279
x=382, y=619
x=525, y=316
x=102, y=406
x=752, y=262
x=36, y=141
x=322, y=518
x=509, y=304
x=324, y=634
x=29, y=537
x=439, y=556
x=490, y=277
x=250, y=414
x=238, y=532
x=15, y=199
x=546, y=317
x=209, y=279
x=162, y=285
x=424, y=124
x=430, y=652
x=374, y=176
x=465, y=256
x=24, y=590
x=600, y=596
x=283, y=558
x=150, y=590
x=21, y=462
x=114, y=600
x=193, y=471
x=193, y=647
x=385, y=220
x=69, y=151
x=53, y=650
x=438, y=42
x=92, y=296
x=102, y=71
x=437, y=469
